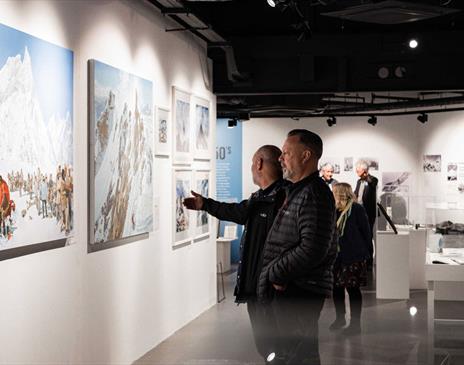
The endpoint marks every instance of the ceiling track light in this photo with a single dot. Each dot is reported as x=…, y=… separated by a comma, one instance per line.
x=280, y=4
x=372, y=120
x=231, y=123
x=331, y=121
x=423, y=118
x=274, y=3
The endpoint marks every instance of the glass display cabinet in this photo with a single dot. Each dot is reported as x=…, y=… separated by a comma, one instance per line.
x=445, y=228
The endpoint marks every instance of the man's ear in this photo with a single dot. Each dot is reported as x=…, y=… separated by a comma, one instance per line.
x=259, y=163
x=306, y=155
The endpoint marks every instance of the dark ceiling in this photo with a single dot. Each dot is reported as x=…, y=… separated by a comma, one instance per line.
x=328, y=57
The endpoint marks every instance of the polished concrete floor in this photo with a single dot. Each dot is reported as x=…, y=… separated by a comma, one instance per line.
x=390, y=335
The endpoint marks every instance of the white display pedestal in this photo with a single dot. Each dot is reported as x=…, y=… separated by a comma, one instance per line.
x=436, y=274
x=223, y=254
x=392, y=265
x=417, y=249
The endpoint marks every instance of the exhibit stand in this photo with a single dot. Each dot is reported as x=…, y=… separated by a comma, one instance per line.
x=392, y=265
x=441, y=270
x=417, y=249
x=223, y=254
x=400, y=262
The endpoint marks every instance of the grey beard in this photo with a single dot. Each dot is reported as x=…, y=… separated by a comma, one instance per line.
x=286, y=173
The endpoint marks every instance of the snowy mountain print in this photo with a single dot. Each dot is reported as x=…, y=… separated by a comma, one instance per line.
x=123, y=155
x=36, y=129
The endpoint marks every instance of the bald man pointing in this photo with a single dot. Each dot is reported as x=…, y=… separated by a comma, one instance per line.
x=257, y=213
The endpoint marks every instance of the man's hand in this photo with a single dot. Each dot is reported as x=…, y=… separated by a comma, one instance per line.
x=195, y=203
x=279, y=287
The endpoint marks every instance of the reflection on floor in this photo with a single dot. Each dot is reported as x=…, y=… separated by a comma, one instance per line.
x=391, y=335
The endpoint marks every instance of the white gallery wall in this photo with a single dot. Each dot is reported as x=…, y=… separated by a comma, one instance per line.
x=398, y=143
x=65, y=306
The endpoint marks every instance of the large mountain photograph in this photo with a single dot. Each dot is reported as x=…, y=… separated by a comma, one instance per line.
x=36, y=149
x=122, y=127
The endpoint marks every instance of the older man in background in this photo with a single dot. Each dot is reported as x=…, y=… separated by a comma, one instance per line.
x=327, y=171
x=366, y=194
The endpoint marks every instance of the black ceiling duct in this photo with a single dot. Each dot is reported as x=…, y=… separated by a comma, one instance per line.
x=391, y=12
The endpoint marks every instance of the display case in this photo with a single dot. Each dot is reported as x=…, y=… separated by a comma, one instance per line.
x=405, y=211
x=445, y=229
x=396, y=206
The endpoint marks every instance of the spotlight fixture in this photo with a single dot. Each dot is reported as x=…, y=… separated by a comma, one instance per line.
x=372, y=120
x=423, y=118
x=413, y=43
x=271, y=3
x=232, y=123
x=274, y=3
x=331, y=121
x=270, y=357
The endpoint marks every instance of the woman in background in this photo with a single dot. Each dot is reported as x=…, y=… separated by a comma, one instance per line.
x=350, y=268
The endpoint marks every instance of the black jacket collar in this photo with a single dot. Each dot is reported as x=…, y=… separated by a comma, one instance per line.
x=304, y=181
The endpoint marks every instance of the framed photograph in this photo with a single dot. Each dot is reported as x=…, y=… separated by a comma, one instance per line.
x=36, y=153
x=395, y=182
x=334, y=161
x=120, y=156
x=163, y=133
x=182, y=217
x=202, y=219
x=432, y=163
x=372, y=162
x=181, y=117
x=202, y=129
x=452, y=170
x=348, y=164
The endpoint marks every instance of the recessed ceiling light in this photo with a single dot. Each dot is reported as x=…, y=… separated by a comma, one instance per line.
x=413, y=43
x=383, y=72
x=271, y=3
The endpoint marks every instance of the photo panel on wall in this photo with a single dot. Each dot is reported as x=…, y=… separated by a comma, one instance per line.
x=163, y=132
x=120, y=157
x=182, y=218
x=181, y=117
x=372, y=162
x=36, y=153
x=333, y=161
x=202, y=129
x=201, y=186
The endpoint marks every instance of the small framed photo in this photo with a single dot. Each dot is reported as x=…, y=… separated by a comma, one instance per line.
x=201, y=129
x=163, y=132
x=181, y=117
x=182, y=217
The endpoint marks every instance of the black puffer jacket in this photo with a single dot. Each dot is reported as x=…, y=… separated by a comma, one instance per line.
x=301, y=246
x=257, y=214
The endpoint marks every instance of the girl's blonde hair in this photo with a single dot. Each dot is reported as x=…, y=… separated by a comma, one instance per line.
x=343, y=194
